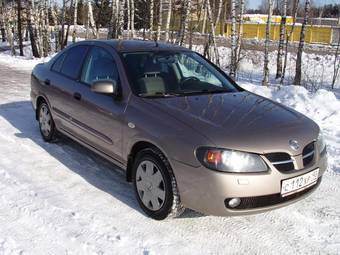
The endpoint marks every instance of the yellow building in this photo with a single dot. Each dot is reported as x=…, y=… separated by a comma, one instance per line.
x=314, y=34
x=261, y=18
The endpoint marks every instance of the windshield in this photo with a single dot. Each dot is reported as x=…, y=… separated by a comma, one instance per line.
x=168, y=73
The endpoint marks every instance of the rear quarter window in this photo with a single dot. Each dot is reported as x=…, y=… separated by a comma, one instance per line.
x=58, y=63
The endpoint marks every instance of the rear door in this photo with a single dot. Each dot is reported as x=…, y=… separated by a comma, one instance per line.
x=99, y=117
x=64, y=82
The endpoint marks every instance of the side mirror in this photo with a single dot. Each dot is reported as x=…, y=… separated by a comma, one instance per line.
x=105, y=87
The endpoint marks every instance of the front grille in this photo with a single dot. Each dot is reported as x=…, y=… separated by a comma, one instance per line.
x=282, y=161
x=269, y=200
x=308, y=154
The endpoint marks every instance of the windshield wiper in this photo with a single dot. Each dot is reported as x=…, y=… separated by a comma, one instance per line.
x=206, y=91
x=183, y=93
x=159, y=94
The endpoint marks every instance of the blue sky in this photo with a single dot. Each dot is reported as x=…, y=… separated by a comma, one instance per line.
x=255, y=3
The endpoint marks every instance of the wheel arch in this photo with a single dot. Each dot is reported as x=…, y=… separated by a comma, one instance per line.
x=39, y=100
x=138, y=146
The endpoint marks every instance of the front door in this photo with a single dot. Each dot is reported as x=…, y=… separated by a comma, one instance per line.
x=99, y=116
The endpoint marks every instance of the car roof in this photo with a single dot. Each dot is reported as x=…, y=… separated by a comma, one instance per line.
x=136, y=45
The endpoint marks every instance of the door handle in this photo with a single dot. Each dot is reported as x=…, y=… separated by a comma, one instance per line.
x=47, y=82
x=77, y=96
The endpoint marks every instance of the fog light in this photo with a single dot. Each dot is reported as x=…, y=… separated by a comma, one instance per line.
x=234, y=202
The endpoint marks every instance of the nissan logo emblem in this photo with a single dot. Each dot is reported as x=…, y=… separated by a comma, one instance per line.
x=294, y=145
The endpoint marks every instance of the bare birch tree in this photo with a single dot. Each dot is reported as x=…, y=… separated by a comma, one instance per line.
x=185, y=17
x=31, y=25
x=232, y=69
x=39, y=28
x=68, y=27
x=87, y=24
x=75, y=21
x=62, y=31
x=128, y=7
x=21, y=48
x=265, y=81
x=151, y=17
x=279, y=64
x=132, y=18
x=239, y=37
x=159, y=24
x=46, y=43
x=195, y=22
x=113, y=21
x=120, y=22
x=173, y=36
x=2, y=22
x=54, y=14
x=288, y=38
x=8, y=23
x=213, y=23
x=92, y=23
x=218, y=14
x=204, y=17
x=336, y=61
x=297, y=79
x=199, y=7
x=168, y=20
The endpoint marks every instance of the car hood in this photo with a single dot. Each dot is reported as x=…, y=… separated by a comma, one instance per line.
x=241, y=121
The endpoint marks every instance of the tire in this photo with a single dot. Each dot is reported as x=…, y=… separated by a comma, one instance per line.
x=46, y=124
x=158, y=195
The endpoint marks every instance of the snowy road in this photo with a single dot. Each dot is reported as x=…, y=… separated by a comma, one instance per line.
x=62, y=199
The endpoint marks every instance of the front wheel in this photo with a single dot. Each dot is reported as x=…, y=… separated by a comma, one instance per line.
x=155, y=185
x=46, y=123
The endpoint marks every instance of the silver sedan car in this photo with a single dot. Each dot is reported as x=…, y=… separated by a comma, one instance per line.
x=185, y=134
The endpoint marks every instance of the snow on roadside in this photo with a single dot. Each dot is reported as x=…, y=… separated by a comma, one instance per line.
x=27, y=62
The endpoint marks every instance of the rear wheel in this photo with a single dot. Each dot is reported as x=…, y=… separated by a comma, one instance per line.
x=46, y=123
x=155, y=185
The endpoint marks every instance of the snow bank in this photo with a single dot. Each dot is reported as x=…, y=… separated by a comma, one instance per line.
x=323, y=107
x=320, y=106
x=21, y=63
x=27, y=62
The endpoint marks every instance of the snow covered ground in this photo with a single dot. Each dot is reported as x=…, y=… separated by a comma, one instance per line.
x=62, y=199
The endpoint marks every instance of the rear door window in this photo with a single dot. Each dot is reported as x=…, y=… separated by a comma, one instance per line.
x=74, y=61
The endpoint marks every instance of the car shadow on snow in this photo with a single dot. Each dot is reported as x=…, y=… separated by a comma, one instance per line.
x=94, y=169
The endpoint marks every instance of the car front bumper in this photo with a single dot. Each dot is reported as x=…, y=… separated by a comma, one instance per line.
x=209, y=191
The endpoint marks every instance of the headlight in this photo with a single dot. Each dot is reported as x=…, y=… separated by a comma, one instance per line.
x=320, y=143
x=230, y=161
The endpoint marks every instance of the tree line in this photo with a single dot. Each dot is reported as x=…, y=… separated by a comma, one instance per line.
x=316, y=11
x=48, y=24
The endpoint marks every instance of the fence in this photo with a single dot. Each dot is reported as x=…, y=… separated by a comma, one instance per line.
x=314, y=34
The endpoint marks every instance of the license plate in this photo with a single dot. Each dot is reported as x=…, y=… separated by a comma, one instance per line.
x=299, y=183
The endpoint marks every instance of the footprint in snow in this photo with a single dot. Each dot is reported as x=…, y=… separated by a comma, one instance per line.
x=113, y=239
x=74, y=215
